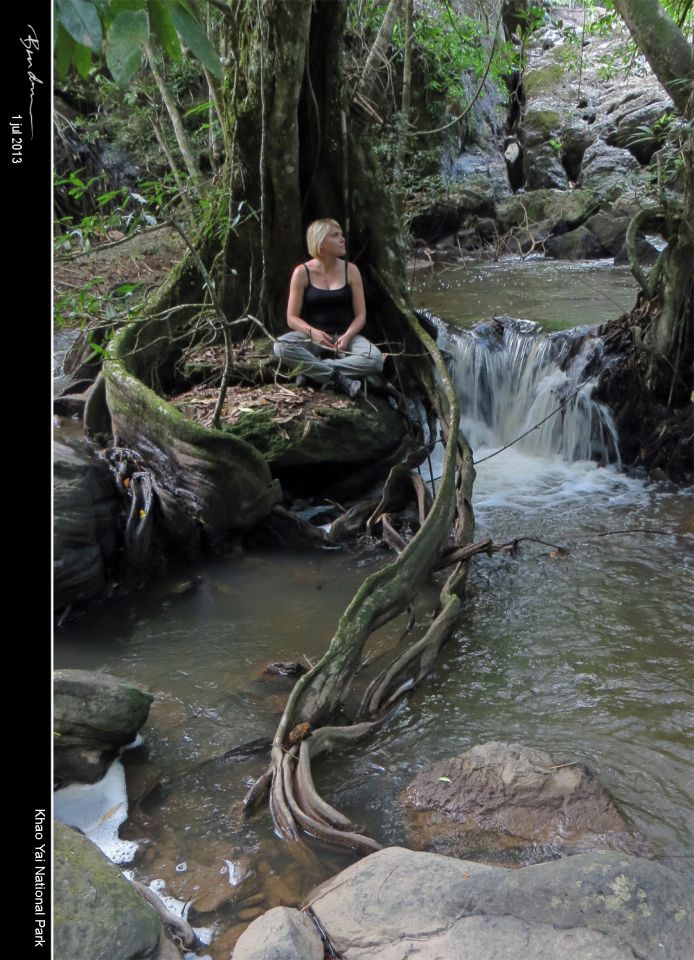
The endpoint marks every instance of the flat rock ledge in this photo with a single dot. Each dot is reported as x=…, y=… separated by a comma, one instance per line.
x=398, y=903
x=512, y=800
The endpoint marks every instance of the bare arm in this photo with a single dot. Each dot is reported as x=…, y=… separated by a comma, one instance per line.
x=358, y=305
x=297, y=288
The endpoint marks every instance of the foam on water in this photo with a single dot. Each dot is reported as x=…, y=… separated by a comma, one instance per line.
x=98, y=809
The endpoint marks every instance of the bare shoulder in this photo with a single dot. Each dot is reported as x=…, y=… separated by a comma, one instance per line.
x=299, y=275
x=353, y=273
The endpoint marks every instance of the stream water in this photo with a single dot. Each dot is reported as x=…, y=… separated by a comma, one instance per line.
x=586, y=654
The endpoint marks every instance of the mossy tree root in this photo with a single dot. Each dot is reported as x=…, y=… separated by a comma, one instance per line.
x=647, y=281
x=320, y=693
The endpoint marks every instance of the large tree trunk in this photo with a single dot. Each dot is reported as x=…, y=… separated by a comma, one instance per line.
x=295, y=155
x=649, y=384
x=669, y=285
x=663, y=45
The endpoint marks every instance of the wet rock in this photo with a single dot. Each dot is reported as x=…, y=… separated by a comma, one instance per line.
x=579, y=244
x=141, y=777
x=609, y=171
x=207, y=887
x=94, y=715
x=633, y=120
x=84, y=525
x=280, y=934
x=543, y=167
x=509, y=797
x=285, y=668
x=576, y=136
x=609, y=229
x=594, y=906
x=98, y=914
x=545, y=205
x=477, y=169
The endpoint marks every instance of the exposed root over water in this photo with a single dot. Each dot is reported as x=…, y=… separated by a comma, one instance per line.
x=320, y=694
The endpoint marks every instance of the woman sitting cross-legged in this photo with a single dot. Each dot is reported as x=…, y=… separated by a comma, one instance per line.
x=325, y=314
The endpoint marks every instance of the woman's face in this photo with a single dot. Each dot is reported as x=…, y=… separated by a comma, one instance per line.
x=334, y=242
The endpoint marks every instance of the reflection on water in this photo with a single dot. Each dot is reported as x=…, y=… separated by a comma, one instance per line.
x=557, y=294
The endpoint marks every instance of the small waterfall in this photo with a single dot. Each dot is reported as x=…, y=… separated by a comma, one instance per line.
x=510, y=376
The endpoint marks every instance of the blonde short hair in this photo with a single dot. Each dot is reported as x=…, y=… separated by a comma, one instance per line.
x=316, y=234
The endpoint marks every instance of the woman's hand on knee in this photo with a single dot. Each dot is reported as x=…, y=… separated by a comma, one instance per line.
x=322, y=338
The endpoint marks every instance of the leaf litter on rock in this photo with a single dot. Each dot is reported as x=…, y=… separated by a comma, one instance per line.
x=289, y=404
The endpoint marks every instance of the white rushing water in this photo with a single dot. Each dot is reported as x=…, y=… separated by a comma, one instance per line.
x=511, y=377
x=514, y=381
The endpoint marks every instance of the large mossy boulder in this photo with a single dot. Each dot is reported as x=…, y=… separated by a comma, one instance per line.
x=324, y=428
x=552, y=206
x=94, y=715
x=97, y=913
x=210, y=485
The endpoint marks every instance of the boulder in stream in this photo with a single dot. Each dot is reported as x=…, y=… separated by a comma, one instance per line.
x=500, y=798
x=280, y=934
x=570, y=206
x=94, y=715
x=578, y=244
x=98, y=915
x=600, y=906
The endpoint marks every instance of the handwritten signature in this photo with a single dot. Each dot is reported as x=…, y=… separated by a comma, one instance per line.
x=31, y=43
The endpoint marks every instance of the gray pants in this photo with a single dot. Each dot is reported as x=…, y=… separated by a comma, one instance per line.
x=296, y=349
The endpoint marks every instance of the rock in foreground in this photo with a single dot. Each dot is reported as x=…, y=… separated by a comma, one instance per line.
x=499, y=796
x=397, y=903
x=98, y=915
x=94, y=715
x=280, y=934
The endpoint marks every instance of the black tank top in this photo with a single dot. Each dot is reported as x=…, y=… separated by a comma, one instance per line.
x=328, y=310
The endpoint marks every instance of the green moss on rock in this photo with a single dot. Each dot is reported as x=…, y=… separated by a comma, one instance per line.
x=327, y=432
x=97, y=913
x=545, y=205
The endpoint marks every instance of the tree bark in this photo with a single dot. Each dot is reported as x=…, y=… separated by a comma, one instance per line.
x=174, y=116
x=663, y=45
x=669, y=285
x=292, y=162
x=377, y=54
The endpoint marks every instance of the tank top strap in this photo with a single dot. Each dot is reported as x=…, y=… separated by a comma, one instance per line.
x=308, y=275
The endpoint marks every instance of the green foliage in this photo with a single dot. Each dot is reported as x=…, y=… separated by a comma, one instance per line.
x=449, y=47
x=120, y=28
x=122, y=209
x=81, y=20
x=124, y=46
x=95, y=301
